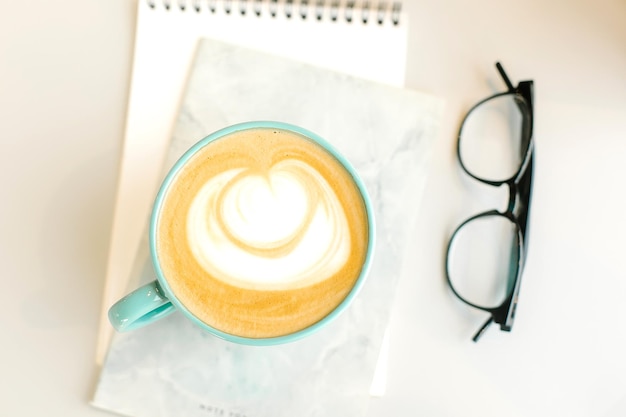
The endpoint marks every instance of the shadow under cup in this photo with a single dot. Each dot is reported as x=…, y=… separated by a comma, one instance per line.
x=213, y=294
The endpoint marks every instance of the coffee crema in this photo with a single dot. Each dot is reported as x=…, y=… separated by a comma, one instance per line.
x=262, y=233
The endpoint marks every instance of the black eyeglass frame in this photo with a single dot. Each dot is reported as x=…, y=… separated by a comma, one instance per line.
x=518, y=208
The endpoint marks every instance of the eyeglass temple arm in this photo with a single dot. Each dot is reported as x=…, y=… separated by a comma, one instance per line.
x=482, y=329
x=508, y=83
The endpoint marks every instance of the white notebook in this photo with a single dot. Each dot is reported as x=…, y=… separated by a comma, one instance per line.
x=366, y=39
x=172, y=368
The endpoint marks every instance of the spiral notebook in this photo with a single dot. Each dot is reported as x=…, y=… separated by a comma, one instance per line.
x=366, y=39
x=172, y=368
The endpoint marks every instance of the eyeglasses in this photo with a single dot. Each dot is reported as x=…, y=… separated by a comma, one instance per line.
x=486, y=253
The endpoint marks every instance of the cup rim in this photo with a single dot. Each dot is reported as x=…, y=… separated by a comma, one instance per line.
x=302, y=332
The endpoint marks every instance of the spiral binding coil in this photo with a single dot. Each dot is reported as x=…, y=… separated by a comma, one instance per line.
x=350, y=11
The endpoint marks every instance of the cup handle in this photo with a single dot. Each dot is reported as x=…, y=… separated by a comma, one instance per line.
x=143, y=306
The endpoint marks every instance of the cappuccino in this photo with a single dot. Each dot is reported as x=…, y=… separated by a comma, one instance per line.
x=262, y=233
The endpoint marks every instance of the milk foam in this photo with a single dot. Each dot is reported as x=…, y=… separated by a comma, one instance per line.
x=280, y=229
x=262, y=233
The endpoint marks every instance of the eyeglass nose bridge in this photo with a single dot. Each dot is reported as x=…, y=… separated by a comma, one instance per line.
x=513, y=198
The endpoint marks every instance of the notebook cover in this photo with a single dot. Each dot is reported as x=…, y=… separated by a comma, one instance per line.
x=165, y=41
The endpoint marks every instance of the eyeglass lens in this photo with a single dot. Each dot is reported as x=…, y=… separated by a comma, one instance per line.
x=491, y=145
x=482, y=260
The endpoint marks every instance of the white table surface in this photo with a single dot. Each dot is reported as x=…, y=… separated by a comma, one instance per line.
x=64, y=76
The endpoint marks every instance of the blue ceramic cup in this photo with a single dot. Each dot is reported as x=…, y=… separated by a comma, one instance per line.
x=156, y=299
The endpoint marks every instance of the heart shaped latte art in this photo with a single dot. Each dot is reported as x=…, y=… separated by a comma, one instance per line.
x=279, y=229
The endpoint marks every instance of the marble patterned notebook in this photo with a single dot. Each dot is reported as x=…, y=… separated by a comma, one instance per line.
x=172, y=368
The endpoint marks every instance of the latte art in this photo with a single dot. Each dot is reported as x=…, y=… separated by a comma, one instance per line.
x=284, y=228
x=261, y=233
